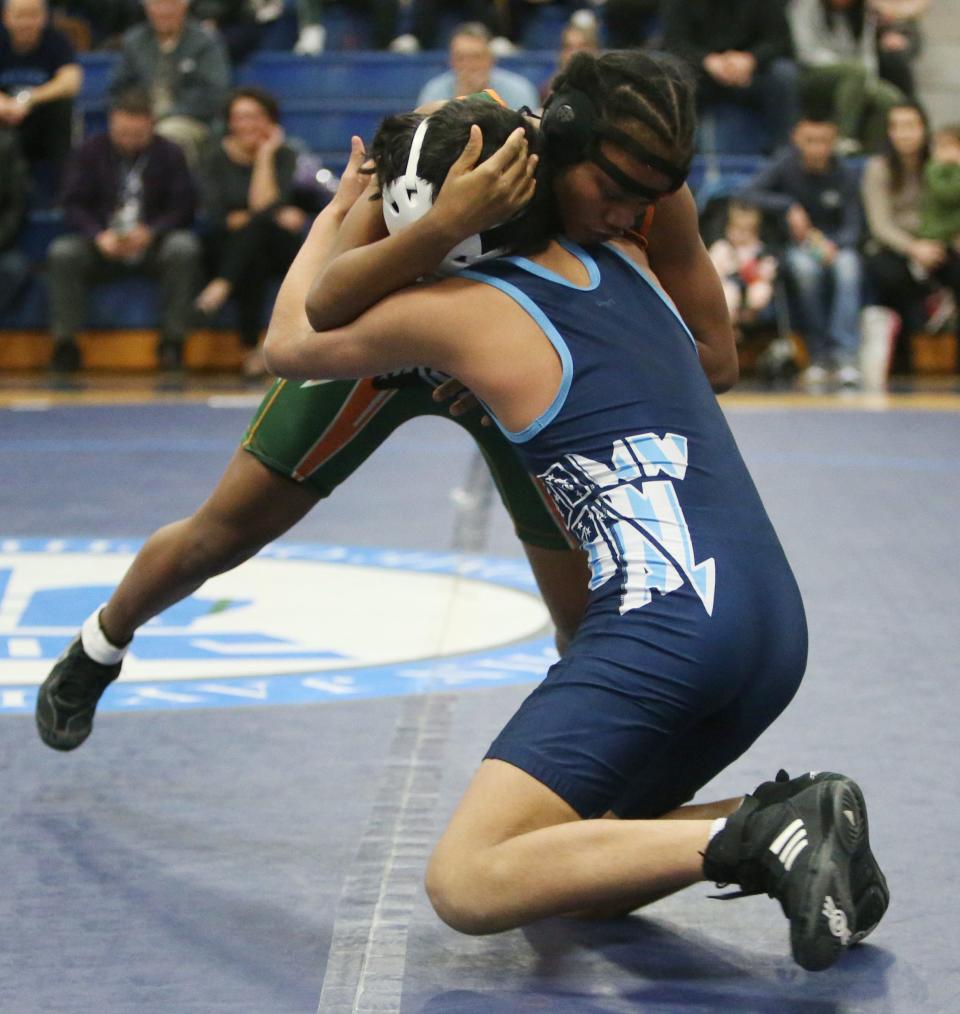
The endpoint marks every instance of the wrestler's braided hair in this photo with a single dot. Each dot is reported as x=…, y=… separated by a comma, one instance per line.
x=652, y=91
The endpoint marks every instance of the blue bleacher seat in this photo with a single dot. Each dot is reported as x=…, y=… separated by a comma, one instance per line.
x=341, y=75
x=330, y=126
x=727, y=128
x=97, y=71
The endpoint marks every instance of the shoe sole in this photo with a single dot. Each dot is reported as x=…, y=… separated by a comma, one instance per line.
x=821, y=930
x=873, y=900
x=47, y=711
x=53, y=737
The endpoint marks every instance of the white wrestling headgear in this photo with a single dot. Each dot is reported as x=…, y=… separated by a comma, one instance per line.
x=409, y=197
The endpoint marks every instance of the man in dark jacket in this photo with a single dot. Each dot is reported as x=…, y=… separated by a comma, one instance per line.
x=129, y=196
x=743, y=53
x=818, y=198
x=184, y=68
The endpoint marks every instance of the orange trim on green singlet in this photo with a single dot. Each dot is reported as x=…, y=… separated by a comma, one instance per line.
x=255, y=425
x=358, y=408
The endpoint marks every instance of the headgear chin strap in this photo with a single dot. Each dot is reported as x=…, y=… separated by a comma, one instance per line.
x=409, y=197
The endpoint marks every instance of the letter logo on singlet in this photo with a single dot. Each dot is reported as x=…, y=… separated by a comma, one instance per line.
x=627, y=516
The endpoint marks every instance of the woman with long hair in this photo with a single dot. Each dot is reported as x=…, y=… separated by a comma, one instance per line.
x=256, y=230
x=902, y=266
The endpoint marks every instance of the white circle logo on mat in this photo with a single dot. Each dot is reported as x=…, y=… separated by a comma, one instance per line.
x=297, y=623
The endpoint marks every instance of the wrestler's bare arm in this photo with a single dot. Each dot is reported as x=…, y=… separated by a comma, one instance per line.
x=473, y=198
x=680, y=261
x=416, y=326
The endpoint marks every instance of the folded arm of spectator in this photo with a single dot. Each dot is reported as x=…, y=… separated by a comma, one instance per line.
x=65, y=84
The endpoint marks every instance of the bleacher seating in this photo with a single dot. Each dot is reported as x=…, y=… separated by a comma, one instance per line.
x=324, y=100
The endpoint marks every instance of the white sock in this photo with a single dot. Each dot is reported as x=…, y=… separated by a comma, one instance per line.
x=95, y=642
x=716, y=827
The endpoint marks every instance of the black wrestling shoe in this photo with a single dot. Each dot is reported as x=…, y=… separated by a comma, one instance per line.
x=871, y=896
x=68, y=697
x=798, y=851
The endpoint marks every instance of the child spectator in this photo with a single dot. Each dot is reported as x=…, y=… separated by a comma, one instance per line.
x=818, y=198
x=746, y=268
x=940, y=210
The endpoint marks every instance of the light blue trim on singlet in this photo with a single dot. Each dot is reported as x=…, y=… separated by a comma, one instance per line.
x=556, y=340
x=551, y=276
x=656, y=288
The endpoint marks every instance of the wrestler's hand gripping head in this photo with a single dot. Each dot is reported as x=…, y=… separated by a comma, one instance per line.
x=410, y=195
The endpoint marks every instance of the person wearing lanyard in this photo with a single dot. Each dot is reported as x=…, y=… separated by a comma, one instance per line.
x=129, y=201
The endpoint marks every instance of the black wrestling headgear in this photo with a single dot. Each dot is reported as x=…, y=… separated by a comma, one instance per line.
x=573, y=130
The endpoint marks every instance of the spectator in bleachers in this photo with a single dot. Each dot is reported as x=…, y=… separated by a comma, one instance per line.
x=836, y=47
x=743, y=54
x=247, y=185
x=107, y=20
x=39, y=79
x=14, y=265
x=427, y=15
x=472, y=69
x=129, y=199
x=906, y=258
x=940, y=218
x=511, y=19
x=817, y=196
x=184, y=68
x=899, y=40
x=631, y=22
x=747, y=269
x=579, y=35
x=383, y=16
x=236, y=23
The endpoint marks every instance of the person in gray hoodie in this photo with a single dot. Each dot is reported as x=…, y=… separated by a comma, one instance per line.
x=183, y=66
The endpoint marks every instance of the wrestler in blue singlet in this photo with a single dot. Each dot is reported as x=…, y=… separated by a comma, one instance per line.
x=694, y=638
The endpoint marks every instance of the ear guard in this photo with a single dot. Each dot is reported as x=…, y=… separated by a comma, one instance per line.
x=409, y=197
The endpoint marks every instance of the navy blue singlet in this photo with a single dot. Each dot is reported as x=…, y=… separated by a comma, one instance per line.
x=694, y=638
